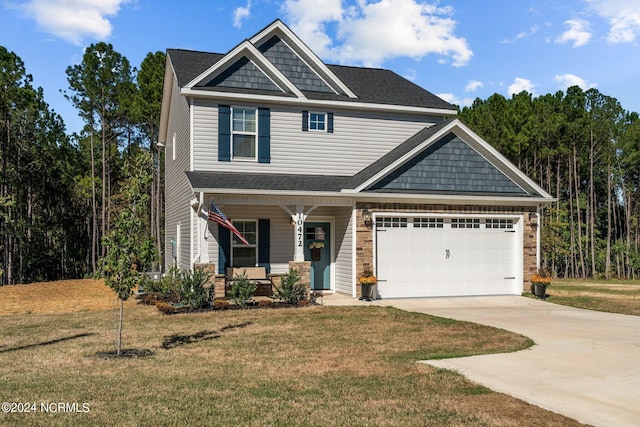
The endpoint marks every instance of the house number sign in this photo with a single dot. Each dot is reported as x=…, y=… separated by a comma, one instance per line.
x=299, y=230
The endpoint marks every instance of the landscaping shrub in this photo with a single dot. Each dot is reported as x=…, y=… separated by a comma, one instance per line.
x=242, y=290
x=167, y=286
x=291, y=290
x=192, y=290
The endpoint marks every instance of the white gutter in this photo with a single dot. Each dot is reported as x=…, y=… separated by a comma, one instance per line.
x=372, y=197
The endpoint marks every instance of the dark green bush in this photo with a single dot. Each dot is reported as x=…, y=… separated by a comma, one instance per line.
x=242, y=289
x=192, y=290
x=167, y=286
x=291, y=290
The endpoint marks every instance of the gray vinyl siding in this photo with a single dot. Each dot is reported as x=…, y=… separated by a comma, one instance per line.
x=344, y=250
x=177, y=189
x=358, y=140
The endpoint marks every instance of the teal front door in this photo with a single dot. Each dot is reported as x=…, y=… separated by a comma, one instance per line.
x=317, y=249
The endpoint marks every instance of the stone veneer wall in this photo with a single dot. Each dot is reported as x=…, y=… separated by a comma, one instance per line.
x=214, y=281
x=304, y=267
x=364, y=233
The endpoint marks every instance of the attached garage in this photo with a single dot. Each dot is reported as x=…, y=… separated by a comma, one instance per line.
x=448, y=255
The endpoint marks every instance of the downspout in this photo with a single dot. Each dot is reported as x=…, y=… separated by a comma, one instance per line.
x=538, y=234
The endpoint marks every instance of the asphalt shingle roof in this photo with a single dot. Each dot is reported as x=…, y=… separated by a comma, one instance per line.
x=371, y=85
x=282, y=182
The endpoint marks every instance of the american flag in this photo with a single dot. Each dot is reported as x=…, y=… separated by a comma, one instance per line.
x=216, y=215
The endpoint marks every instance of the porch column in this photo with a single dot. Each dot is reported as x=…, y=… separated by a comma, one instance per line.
x=299, y=218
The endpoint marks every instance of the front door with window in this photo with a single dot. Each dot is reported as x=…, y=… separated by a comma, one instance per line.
x=317, y=249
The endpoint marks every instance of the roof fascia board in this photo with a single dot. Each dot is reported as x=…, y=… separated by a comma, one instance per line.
x=454, y=199
x=439, y=112
x=167, y=92
x=280, y=29
x=382, y=197
x=247, y=49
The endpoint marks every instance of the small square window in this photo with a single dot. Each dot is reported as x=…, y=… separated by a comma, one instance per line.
x=317, y=121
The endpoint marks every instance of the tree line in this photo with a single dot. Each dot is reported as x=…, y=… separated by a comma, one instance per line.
x=583, y=148
x=59, y=193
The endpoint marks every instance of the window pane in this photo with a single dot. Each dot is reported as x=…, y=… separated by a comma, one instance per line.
x=244, y=146
x=244, y=119
x=248, y=230
x=244, y=256
x=316, y=121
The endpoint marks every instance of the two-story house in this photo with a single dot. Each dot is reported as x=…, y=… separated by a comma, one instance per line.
x=340, y=169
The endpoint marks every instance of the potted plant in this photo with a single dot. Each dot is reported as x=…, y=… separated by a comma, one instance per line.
x=367, y=282
x=539, y=283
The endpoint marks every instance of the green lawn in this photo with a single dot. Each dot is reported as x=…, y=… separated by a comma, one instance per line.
x=614, y=296
x=313, y=366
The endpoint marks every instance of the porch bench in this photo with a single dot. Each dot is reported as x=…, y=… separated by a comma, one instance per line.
x=257, y=275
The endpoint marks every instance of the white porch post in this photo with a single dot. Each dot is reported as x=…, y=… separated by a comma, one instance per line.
x=299, y=218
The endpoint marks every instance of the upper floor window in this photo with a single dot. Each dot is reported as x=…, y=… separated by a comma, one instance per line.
x=244, y=133
x=317, y=121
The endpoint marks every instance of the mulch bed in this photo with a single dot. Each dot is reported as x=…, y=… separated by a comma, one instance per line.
x=167, y=307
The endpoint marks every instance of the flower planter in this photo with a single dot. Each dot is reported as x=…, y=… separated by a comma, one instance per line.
x=540, y=290
x=367, y=292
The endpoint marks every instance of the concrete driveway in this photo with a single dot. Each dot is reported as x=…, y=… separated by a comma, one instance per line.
x=585, y=364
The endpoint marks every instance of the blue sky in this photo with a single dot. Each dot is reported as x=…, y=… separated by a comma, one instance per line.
x=458, y=50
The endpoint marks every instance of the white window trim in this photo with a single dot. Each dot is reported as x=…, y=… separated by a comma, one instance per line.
x=242, y=245
x=254, y=134
x=326, y=125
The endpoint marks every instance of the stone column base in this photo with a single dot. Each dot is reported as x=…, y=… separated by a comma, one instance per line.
x=304, y=267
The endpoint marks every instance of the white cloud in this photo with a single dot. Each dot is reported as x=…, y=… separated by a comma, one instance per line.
x=520, y=84
x=623, y=17
x=525, y=34
x=579, y=32
x=473, y=85
x=241, y=13
x=567, y=80
x=452, y=99
x=372, y=31
x=73, y=20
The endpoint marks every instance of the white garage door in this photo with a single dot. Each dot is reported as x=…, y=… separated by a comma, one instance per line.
x=428, y=257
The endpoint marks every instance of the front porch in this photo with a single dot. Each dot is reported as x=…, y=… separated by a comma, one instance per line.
x=314, y=235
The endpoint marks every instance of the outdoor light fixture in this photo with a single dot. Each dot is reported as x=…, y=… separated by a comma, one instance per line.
x=366, y=217
x=533, y=219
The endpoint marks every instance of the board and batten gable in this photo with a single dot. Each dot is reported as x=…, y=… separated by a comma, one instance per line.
x=357, y=141
x=177, y=189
